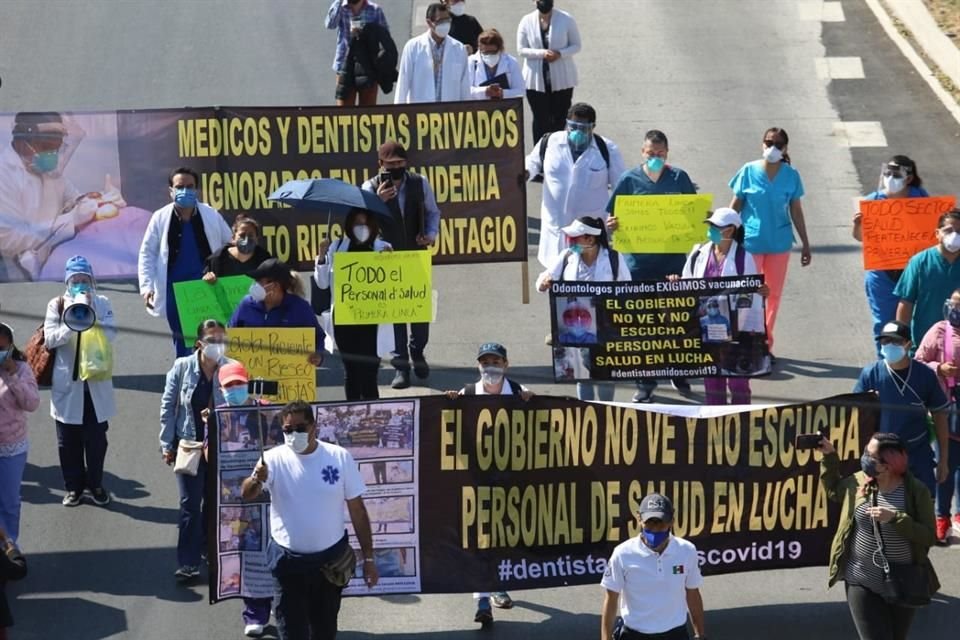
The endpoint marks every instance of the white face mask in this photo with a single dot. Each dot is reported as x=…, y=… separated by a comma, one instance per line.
x=951, y=241
x=772, y=154
x=257, y=292
x=214, y=351
x=361, y=233
x=491, y=375
x=442, y=29
x=490, y=59
x=297, y=441
x=892, y=184
x=458, y=9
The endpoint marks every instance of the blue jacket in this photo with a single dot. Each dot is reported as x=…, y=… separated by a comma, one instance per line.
x=293, y=311
x=176, y=413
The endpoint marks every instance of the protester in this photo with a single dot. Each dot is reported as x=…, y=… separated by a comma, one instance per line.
x=589, y=258
x=722, y=256
x=940, y=350
x=578, y=168
x=190, y=389
x=464, y=28
x=18, y=397
x=359, y=24
x=907, y=392
x=81, y=408
x=360, y=345
x=433, y=67
x=241, y=256
x=415, y=225
x=653, y=580
x=886, y=518
x=767, y=195
x=275, y=301
x=898, y=179
x=652, y=178
x=175, y=247
x=547, y=40
x=930, y=278
x=494, y=73
x=39, y=207
x=13, y=566
x=309, y=552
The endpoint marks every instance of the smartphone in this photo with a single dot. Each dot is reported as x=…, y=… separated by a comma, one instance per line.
x=261, y=387
x=808, y=441
x=385, y=177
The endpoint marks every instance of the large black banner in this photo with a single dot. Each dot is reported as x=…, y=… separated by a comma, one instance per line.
x=490, y=493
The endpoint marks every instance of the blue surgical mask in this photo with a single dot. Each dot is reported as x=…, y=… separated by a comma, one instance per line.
x=185, y=198
x=655, y=163
x=576, y=248
x=3, y=355
x=80, y=288
x=893, y=352
x=236, y=395
x=655, y=538
x=869, y=466
x=715, y=235
x=45, y=161
x=578, y=139
x=713, y=311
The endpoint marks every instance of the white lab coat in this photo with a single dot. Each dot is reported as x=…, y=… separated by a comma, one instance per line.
x=602, y=269
x=751, y=320
x=415, y=82
x=155, y=250
x=66, y=394
x=323, y=276
x=508, y=65
x=571, y=190
x=563, y=36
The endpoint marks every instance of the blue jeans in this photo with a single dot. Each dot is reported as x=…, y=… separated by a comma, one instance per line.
x=883, y=304
x=951, y=486
x=192, y=537
x=11, y=477
x=602, y=391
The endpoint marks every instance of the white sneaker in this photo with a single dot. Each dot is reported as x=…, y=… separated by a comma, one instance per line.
x=253, y=630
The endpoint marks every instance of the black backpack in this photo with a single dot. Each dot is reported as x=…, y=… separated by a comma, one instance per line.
x=601, y=146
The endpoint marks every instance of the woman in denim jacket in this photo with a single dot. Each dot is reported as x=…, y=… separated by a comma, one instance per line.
x=190, y=389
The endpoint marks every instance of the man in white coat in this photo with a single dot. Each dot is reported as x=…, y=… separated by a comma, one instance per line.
x=175, y=247
x=578, y=168
x=433, y=66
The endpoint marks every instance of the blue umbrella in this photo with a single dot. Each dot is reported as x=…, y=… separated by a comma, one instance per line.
x=327, y=194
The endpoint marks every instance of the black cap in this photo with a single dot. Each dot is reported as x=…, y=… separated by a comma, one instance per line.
x=492, y=349
x=656, y=506
x=895, y=329
x=273, y=269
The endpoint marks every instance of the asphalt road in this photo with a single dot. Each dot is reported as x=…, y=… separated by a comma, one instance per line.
x=712, y=74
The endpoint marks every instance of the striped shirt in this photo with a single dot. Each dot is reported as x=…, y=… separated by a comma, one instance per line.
x=864, y=567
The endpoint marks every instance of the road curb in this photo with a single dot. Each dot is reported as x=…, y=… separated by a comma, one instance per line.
x=917, y=18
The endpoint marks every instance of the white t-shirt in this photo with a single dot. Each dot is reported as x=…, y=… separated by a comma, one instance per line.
x=505, y=390
x=653, y=587
x=307, y=493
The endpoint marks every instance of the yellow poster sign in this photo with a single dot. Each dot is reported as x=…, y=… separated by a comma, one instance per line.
x=279, y=355
x=660, y=224
x=382, y=288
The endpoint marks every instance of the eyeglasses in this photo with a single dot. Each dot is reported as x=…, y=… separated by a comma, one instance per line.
x=222, y=340
x=774, y=143
x=300, y=427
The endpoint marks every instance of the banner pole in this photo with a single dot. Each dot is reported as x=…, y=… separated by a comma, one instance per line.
x=524, y=282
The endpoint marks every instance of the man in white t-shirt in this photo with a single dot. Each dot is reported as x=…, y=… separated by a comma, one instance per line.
x=653, y=581
x=309, y=552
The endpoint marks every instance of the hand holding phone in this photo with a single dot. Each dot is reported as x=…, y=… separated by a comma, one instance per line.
x=807, y=441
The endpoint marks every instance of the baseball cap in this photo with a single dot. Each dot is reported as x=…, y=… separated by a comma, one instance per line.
x=232, y=372
x=656, y=506
x=77, y=265
x=391, y=150
x=895, y=329
x=724, y=217
x=492, y=349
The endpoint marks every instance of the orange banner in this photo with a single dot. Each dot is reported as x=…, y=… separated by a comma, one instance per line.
x=896, y=229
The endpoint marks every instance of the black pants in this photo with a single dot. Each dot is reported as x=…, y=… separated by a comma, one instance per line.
x=82, y=449
x=306, y=603
x=549, y=111
x=419, y=335
x=678, y=633
x=874, y=618
x=358, y=350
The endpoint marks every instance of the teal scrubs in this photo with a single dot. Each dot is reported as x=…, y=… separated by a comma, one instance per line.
x=927, y=282
x=767, y=225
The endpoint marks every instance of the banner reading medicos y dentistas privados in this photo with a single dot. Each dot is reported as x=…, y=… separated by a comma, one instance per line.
x=536, y=494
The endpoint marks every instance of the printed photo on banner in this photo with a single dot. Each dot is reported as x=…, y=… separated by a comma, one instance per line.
x=688, y=328
x=384, y=472
x=896, y=229
x=241, y=529
x=659, y=224
x=230, y=575
x=399, y=562
x=230, y=484
x=392, y=514
x=239, y=430
x=376, y=430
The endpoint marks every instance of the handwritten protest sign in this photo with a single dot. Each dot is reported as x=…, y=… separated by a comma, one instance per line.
x=198, y=301
x=382, y=288
x=277, y=354
x=896, y=229
x=660, y=224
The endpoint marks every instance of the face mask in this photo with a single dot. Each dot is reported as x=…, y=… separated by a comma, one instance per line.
x=491, y=375
x=713, y=311
x=892, y=352
x=655, y=163
x=185, y=198
x=655, y=538
x=361, y=233
x=236, y=395
x=715, y=235
x=544, y=6
x=578, y=139
x=772, y=155
x=490, y=59
x=297, y=441
x=953, y=317
x=214, y=351
x=257, y=292
x=441, y=29
x=869, y=466
x=951, y=241
x=3, y=356
x=458, y=9
x=45, y=161
x=577, y=248
x=892, y=184
x=246, y=245
x=79, y=289
x=397, y=173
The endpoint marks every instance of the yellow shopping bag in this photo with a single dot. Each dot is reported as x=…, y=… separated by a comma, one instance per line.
x=96, y=355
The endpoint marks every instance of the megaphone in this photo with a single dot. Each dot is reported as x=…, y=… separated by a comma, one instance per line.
x=80, y=316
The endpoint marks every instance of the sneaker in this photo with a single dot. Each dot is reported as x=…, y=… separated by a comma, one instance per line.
x=943, y=528
x=100, y=496
x=401, y=380
x=956, y=523
x=680, y=384
x=253, y=630
x=643, y=395
x=420, y=368
x=501, y=600
x=72, y=499
x=186, y=572
x=548, y=340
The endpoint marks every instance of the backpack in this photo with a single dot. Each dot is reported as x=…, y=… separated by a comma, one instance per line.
x=471, y=389
x=614, y=263
x=38, y=356
x=739, y=257
x=601, y=146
